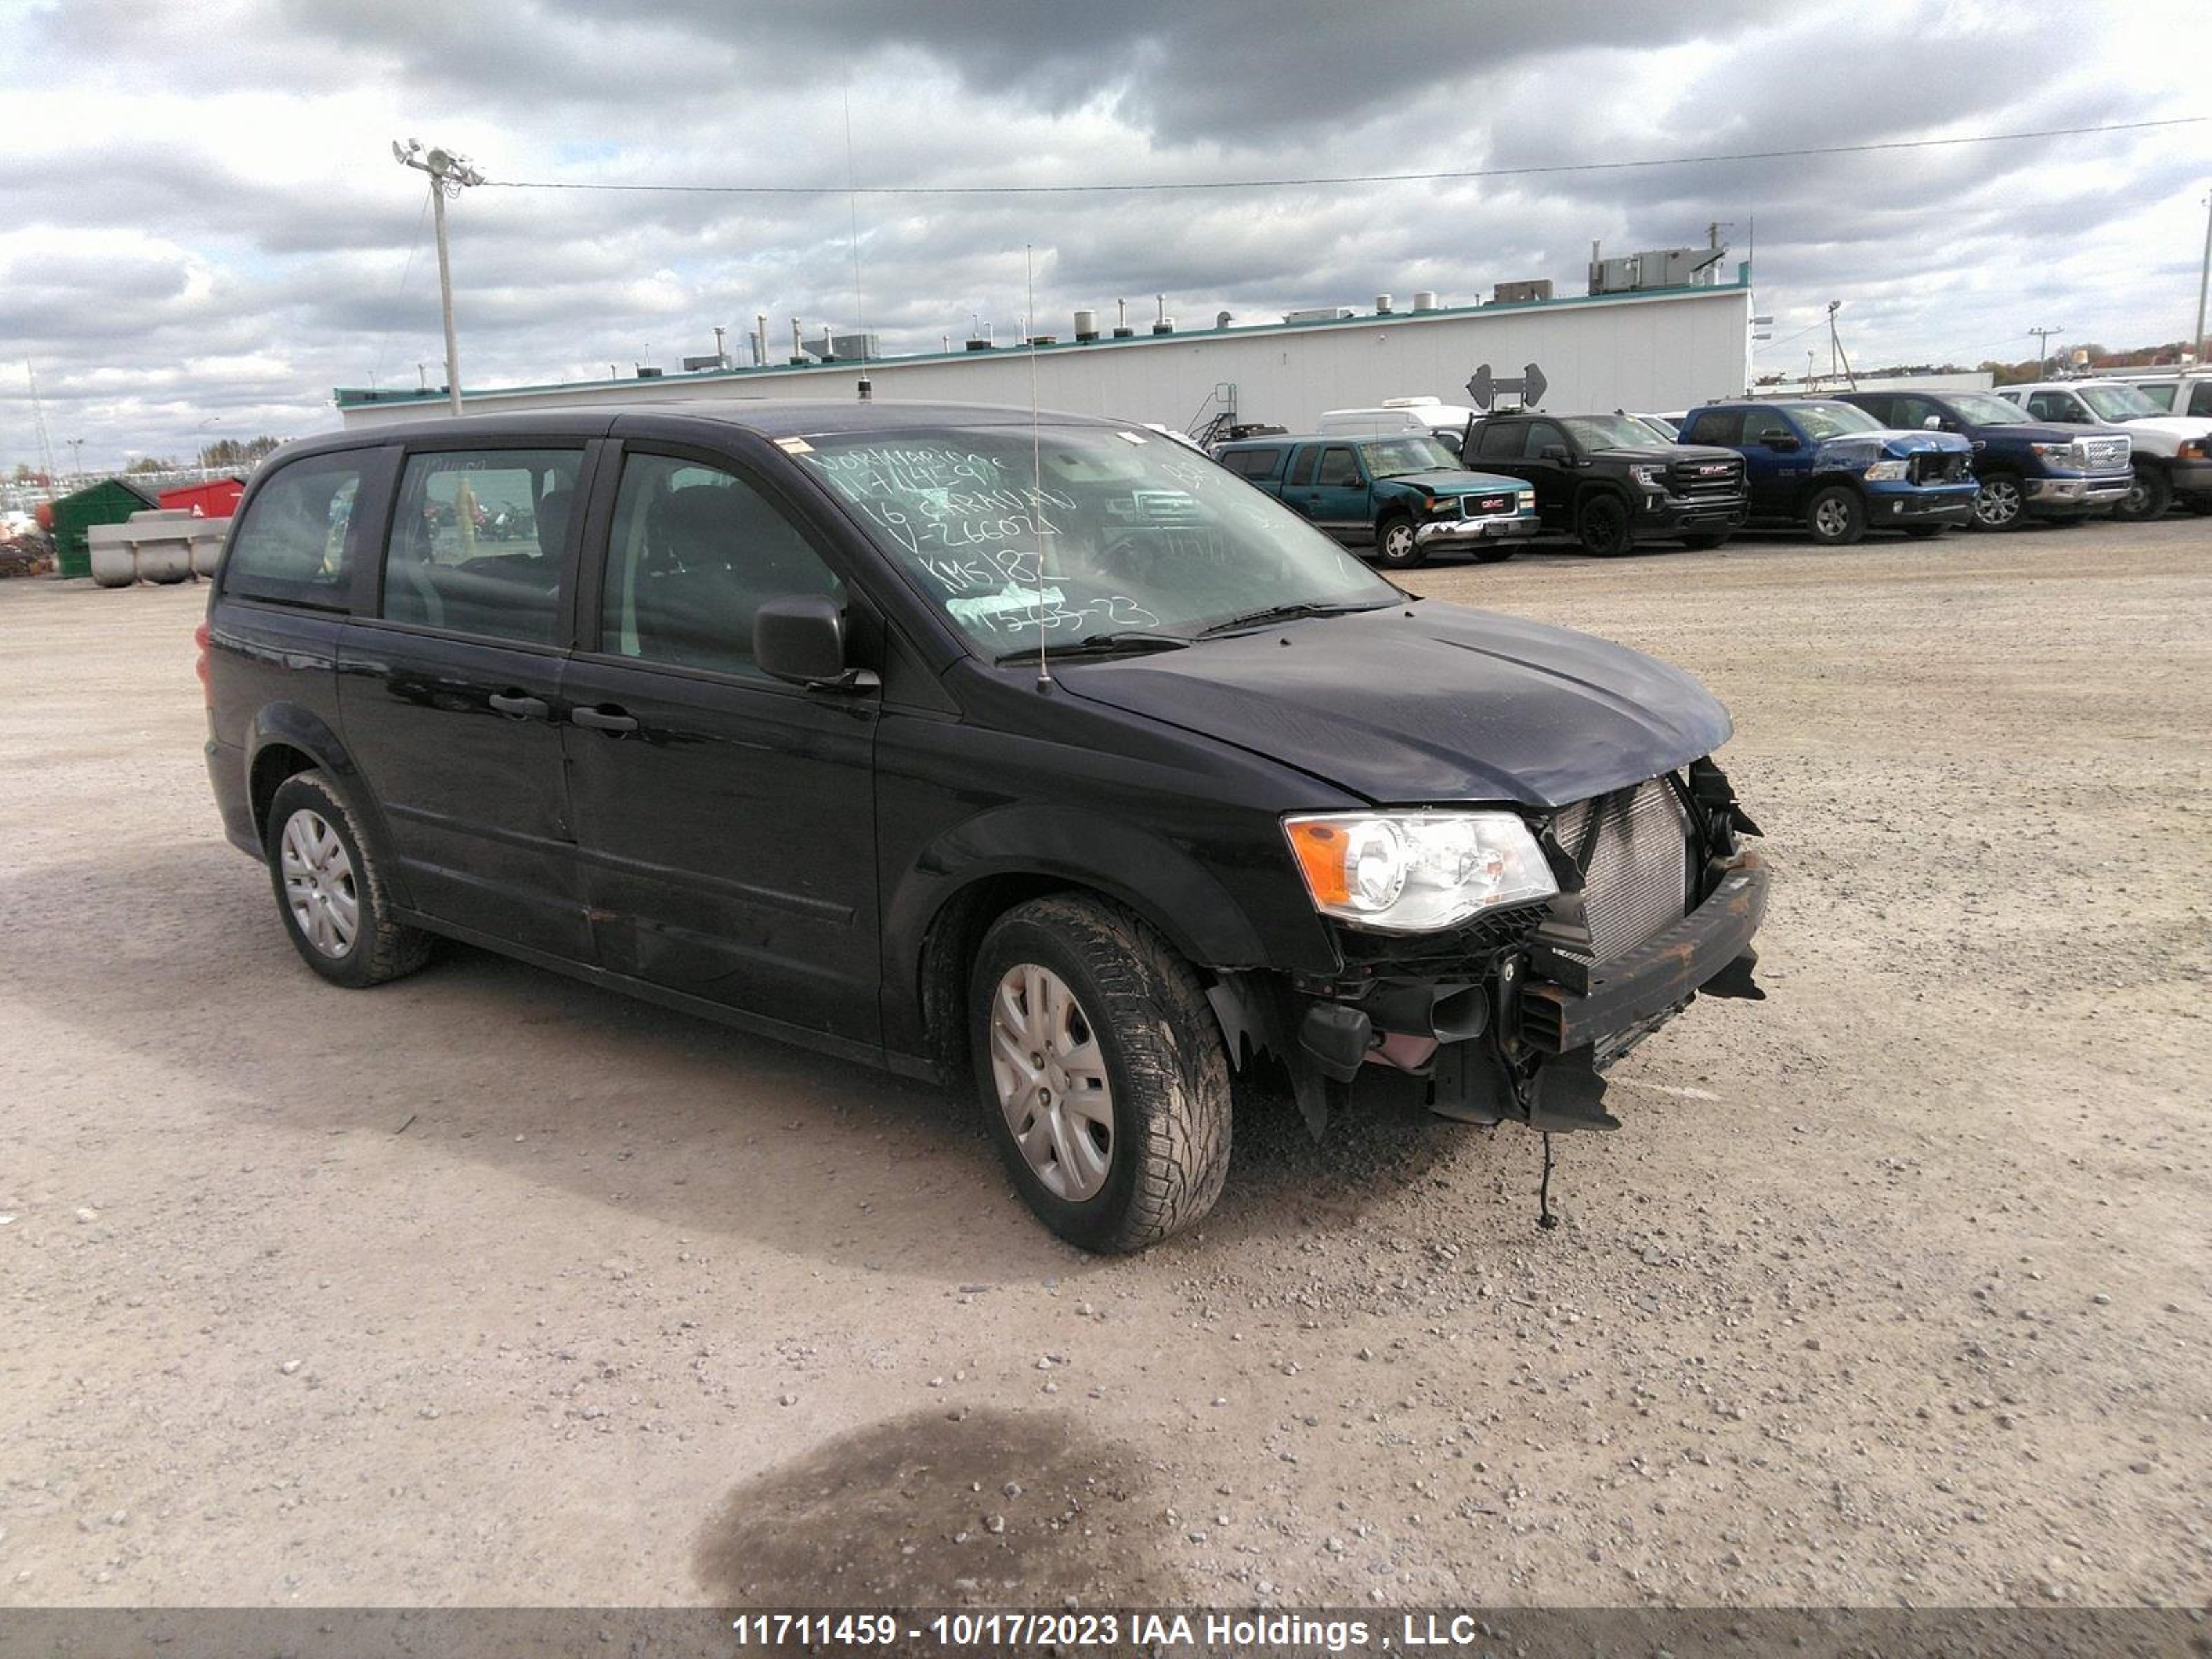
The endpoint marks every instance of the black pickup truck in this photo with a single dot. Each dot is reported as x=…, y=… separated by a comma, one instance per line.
x=1608, y=481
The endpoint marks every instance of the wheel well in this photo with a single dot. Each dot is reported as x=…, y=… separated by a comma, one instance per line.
x=1594, y=487
x=1857, y=486
x=271, y=766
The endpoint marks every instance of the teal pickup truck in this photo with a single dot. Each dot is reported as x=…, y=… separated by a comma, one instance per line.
x=1400, y=498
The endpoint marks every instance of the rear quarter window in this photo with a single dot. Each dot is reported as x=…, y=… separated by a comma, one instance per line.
x=1254, y=463
x=294, y=546
x=1719, y=425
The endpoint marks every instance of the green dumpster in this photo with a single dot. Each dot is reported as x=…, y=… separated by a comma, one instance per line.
x=109, y=502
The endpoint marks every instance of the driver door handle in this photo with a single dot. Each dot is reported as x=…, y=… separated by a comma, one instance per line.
x=603, y=719
x=519, y=707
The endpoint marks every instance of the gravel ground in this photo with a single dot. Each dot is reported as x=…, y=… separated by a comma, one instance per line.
x=486, y=1287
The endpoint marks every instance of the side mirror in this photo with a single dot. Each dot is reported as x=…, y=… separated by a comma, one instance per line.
x=1933, y=423
x=1555, y=452
x=801, y=638
x=1781, y=441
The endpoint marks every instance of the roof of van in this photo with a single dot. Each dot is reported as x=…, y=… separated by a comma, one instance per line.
x=778, y=417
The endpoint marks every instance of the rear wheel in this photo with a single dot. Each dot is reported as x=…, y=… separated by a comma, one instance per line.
x=1395, y=543
x=1102, y=1070
x=1836, y=517
x=330, y=891
x=1601, y=525
x=2149, y=496
x=2001, y=503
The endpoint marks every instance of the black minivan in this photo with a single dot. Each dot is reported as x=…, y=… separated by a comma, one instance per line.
x=966, y=741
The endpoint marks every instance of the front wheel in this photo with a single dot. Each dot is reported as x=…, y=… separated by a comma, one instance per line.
x=2148, y=497
x=1396, y=546
x=1102, y=1070
x=1836, y=517
x=329, y=890
x=2000, y=504
x=1601, y=525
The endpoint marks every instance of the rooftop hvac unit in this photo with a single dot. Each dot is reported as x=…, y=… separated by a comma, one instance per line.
x=645, y=374
x=1086, y=324
x=1654, y=268
x=715, y=360
x=829, y=345
x=1424, y=300
x=1319, y=314
x=1514, y=293
x=1382, y=304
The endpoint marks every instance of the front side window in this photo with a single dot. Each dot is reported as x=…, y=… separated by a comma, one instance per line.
x=1609, y=432
x=1338, y=470
x=1542, y=435
x=694, y=554
x=477, y=542
x=1091, y=531
x=293, y=544
x=1394, y=458
x=2058, y=406
x=1985, y=409
x=1825, y=420
x=2118, y=403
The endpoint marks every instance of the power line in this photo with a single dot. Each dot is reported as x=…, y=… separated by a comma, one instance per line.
x=1348, y=178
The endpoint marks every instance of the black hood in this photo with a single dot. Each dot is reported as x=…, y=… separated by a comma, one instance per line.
x=1654, y=453
x=1446, y=704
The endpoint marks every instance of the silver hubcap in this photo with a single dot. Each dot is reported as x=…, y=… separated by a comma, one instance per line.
x=1398, y=541
x=1998, y=503
x=1051, y=1080
x=2138, y=497
x=1832, y=518
x=318, y=883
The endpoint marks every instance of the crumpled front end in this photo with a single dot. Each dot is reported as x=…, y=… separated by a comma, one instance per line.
x=1518, y=1016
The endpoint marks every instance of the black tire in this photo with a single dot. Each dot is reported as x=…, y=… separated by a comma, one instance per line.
x=1601, y=525
x=2001, y=503
x=381, y=948
x=1164, y=1059
x=2152, y=495
x=1394, y=544
x=1705, y=543
x=1836, y=517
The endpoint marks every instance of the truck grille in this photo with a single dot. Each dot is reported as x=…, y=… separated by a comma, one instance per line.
x=2103, y=454
x=1636, y=868
x=1938, y=466
x=1714, y=477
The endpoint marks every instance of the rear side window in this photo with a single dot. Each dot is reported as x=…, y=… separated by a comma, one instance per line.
x=477, y=540
x=2200, y=398
x=1302, y=469
x=294, y=544
x=1254, y=463
x=694, y=553
x=1499, y=440
x=1718, y=426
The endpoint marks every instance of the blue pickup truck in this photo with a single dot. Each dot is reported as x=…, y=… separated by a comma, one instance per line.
x=1837, y=472
x=2026, y=469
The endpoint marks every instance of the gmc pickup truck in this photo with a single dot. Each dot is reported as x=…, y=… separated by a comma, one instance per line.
x=1610, y=482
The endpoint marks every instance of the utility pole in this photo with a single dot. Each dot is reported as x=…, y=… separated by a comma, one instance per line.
x=2043, y=355
x=2203, y=278
x=449, y=175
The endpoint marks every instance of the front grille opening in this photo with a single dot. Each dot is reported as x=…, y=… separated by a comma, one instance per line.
x=1636, y=870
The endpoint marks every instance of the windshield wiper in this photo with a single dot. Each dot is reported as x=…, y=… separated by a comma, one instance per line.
x=1099, y=645
x=1286, y=613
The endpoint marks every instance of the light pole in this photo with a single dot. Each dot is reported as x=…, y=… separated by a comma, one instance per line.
x=2042, y=355
x=76, y=456
x=449, y=175
x=2203, y=278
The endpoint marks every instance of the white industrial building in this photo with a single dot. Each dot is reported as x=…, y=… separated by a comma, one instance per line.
x=1654, y=350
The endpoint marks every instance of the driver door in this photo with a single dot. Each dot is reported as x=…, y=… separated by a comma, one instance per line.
x=724, y=819
x=1778, y=461
x=1342, y=502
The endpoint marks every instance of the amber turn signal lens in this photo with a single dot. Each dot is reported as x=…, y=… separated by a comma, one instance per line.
x=1320, y=848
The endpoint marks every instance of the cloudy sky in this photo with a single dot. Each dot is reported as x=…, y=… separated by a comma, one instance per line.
x=202, y=230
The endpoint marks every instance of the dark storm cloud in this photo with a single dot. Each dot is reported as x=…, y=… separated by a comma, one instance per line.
x=205, y=191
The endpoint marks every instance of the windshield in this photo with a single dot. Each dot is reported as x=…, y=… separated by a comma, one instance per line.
x=1610, y=432
x=1393, y=457
x=1833, y=420
x=1093, y=532
x=2118, y=403
x=1984, y=409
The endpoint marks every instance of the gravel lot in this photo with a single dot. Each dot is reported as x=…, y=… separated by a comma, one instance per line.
x=488, y=1287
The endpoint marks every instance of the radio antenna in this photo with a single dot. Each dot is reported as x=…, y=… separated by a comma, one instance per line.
x=1037, y=473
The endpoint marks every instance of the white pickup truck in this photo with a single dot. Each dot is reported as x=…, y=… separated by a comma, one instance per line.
x=2172, y=452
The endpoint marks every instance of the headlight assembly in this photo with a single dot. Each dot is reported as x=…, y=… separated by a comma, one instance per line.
x=1651, y=477
x=1887, y=472
x=1416, y=872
